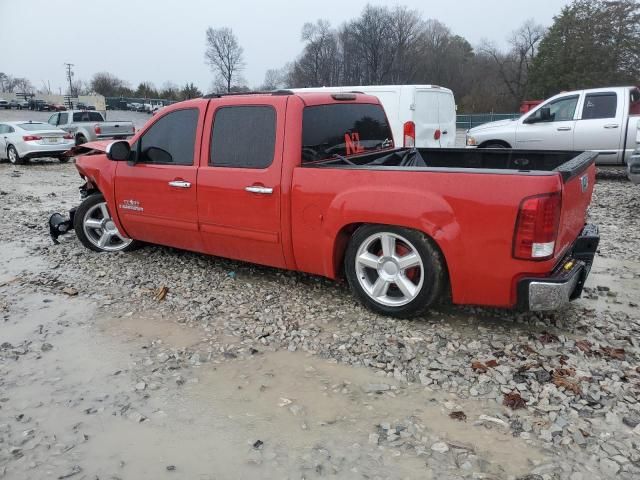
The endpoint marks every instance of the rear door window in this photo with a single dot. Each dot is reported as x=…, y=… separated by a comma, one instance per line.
x=63, y=119
x=87, y=117
x=332, y=131
x=243, y=137
x=600, y=105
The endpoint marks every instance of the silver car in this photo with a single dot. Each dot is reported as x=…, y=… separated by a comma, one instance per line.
x=22, y=141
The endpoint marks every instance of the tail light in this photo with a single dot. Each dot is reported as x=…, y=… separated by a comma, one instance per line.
x=68, y=136
x=409, y=134
x=436, y=134
x=537, y=227
x=30, y=138
x=97, y=129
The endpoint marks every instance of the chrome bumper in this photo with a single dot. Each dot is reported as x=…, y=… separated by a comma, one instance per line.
x=544, y=295
x=565, y=283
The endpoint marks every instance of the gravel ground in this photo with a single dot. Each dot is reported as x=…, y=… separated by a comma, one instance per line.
x=166, y=364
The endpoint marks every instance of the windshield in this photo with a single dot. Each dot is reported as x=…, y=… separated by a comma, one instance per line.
x=87, y=117
x=32, y=127
x=337, y=130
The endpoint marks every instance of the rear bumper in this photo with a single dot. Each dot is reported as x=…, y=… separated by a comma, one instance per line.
x=39, y=151
x=114, y=136
x=565, y=283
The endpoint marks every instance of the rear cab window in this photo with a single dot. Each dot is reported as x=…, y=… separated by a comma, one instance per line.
x=343, y=129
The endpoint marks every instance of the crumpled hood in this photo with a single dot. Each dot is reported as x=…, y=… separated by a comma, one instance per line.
x=99, y=146
x=496, y=124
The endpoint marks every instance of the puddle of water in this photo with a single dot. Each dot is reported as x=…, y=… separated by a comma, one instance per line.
x=14, y=260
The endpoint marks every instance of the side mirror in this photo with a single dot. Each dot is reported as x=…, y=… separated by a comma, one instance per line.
x=119, y=151
x=545, y=114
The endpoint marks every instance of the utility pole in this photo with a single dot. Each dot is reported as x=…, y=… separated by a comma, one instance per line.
x=70, y=78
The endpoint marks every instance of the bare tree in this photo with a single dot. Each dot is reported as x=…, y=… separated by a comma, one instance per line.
x=273, y=79
x=108, y=85
x=224, y=54
x=514, y=65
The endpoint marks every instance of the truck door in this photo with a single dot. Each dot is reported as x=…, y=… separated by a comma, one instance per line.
x=156, y=195
x=536, y=132
x=239, y=179
x=447, y=119
x=426, y=119
x=600, y=126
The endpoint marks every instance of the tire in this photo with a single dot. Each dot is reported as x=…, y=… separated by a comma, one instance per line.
x=404, y=289
x=63, y=159
x=80, y=139
x=101, y=235
x=13, y=156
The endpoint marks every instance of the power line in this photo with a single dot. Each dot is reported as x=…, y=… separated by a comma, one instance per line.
x=70, y=77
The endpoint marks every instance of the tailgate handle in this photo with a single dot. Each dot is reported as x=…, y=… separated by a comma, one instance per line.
x=259, y=189
x=180, y=184
x=564, y=129
x=611, y=125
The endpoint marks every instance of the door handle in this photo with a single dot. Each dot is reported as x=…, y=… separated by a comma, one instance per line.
x=611, y=125
x=180, y=184
x=564, y=129
x=445, y=132
x=259, y=189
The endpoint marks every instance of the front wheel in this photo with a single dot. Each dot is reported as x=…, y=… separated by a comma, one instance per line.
x=394, y=271
x=96, y=229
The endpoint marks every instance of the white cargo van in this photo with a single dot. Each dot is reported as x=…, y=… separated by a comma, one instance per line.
x=423, y=116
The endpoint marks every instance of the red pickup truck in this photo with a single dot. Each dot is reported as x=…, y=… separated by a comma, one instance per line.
x=312, y=182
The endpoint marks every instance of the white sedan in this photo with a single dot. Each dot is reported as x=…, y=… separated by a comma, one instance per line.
x=22, y=141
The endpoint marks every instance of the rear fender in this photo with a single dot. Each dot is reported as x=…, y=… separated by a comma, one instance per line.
x=421, y=210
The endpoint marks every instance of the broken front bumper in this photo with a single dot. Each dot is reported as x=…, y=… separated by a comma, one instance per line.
x=566, y=282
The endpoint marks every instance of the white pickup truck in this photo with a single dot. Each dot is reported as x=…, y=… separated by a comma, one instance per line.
x=89, y=126
x=606, y=120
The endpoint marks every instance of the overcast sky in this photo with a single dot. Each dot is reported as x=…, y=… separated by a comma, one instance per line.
x=162, y=40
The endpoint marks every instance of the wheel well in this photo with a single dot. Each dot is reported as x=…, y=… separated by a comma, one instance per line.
x=345, y=234
x=498, y=142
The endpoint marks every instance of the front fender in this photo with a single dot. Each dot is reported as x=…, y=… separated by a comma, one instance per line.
x=100, y=172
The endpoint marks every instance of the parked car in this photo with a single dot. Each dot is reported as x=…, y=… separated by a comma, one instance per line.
x=81, y=106
x=14, y=104
x=633, y=167
x=58, y=107
x=22, y=141
x=87, y=126
x=39, y=105
x=22, y=104
x=4, y=104
x=313, y=182
x=91, y=107
x=423, y=116
x=605, y=120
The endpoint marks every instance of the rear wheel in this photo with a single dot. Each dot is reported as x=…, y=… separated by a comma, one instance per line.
x=13, y=155
x=63, y=159
x=80, y=139
x=96, y=229
x=394, y=271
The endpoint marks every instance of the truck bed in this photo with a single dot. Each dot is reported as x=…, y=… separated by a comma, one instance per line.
x=567, y=163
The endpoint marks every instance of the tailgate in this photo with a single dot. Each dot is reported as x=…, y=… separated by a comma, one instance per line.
x=578, y=180
x=117, y=128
